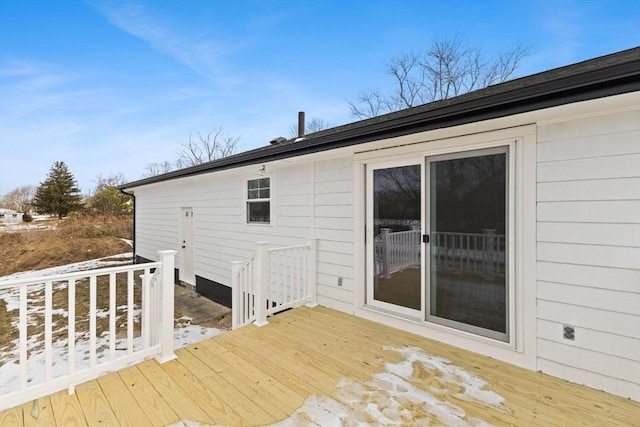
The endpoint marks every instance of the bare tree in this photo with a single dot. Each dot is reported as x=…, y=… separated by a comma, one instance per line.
x=446, y=69
x=312, y=126
x=20, y=199
x=114, y=180
x=214, y=145
x=154, y=169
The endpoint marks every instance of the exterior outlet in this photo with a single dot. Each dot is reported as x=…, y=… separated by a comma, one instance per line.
x=340, y=281
x=569, y=332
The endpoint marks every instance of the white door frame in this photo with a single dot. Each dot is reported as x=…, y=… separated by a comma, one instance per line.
x=416, y=315
x=186, y=245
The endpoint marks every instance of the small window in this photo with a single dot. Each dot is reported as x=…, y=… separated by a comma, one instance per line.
x=258, y=201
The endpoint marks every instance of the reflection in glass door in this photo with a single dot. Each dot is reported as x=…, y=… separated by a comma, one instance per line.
x=467, y=224
x=396, y=250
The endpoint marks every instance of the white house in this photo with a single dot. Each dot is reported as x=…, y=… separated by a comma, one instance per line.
x=8, y=216
x=505, y=221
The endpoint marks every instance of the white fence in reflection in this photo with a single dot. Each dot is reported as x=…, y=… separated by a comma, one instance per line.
x=479, y=253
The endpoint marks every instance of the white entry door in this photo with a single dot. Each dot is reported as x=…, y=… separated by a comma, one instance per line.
x=186, y=247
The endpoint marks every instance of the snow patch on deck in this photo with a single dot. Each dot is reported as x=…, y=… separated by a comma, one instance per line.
x=401, y=395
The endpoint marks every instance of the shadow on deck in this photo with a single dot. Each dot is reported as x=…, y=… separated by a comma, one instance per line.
x=322, y=366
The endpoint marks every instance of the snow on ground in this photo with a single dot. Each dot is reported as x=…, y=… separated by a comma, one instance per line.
x=184, y=334
x=110, y=261
x=10, y=227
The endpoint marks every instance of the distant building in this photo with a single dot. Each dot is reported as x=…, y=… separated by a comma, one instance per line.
x=7, y=216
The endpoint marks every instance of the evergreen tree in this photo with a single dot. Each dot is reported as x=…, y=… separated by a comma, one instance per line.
x=59, y=193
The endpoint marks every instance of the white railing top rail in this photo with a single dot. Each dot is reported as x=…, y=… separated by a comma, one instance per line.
x=246, y=262
x=286, y=248
x=456, y=233
x=11, y=283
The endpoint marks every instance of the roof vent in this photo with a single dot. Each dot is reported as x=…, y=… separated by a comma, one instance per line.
x=277, y=141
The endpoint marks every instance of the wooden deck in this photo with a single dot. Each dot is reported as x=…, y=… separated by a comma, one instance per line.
x=258, y=376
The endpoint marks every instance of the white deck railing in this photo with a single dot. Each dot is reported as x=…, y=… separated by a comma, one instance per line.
x=468, y=252
x=71, y=358
x=271, y=281
x=396, y=251
x=482, y=253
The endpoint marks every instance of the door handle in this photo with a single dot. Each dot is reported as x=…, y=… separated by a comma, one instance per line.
x=425, y=238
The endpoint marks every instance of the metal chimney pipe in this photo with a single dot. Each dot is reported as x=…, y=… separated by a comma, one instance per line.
x=300, y=124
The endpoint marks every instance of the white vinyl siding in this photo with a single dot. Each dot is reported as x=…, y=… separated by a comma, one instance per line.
x=219, y=203
x=588, y=251
x=334, y=225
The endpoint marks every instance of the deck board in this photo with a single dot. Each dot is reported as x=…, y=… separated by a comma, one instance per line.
x=122, y=402
x=11, y=417
x=271, y=404
x=159, y=412
x=67, y=410
x=172, y=394
x=258, y=376
x=250, y=411
x=195, y=389
x=94, y=404
x=271, y=364
x=42, y=416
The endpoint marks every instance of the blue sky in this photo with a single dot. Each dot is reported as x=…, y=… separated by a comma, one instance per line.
x=110, y=86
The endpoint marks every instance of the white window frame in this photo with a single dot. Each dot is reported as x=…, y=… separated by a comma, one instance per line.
x=248, y=201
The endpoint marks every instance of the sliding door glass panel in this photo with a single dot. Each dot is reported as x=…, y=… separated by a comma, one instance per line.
x=397, y=239
x=467, y=208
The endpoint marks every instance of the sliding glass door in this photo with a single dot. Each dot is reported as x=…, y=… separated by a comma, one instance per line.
x=395, y=206
x=467, y=209
x=437, y=240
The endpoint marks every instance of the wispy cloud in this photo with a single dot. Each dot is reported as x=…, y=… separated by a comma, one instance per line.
x=202, y=54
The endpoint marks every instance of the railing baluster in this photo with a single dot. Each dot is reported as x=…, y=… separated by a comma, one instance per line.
x=130, y=309
x=145, y=328
x=71, y=326
x=22, y=332
x=300, y=274
x=92, y=320
x=48, y=336
x=112, y=317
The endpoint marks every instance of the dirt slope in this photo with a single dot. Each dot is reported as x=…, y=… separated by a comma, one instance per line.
x=71, y=240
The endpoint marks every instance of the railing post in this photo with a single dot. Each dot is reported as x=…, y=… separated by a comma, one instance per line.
x=236, y=310
x=166, y=306
x=262, y=277
x=416, y=244
x=145, y=328
x=386, y=261
x=311, y=273
x=489, y=252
